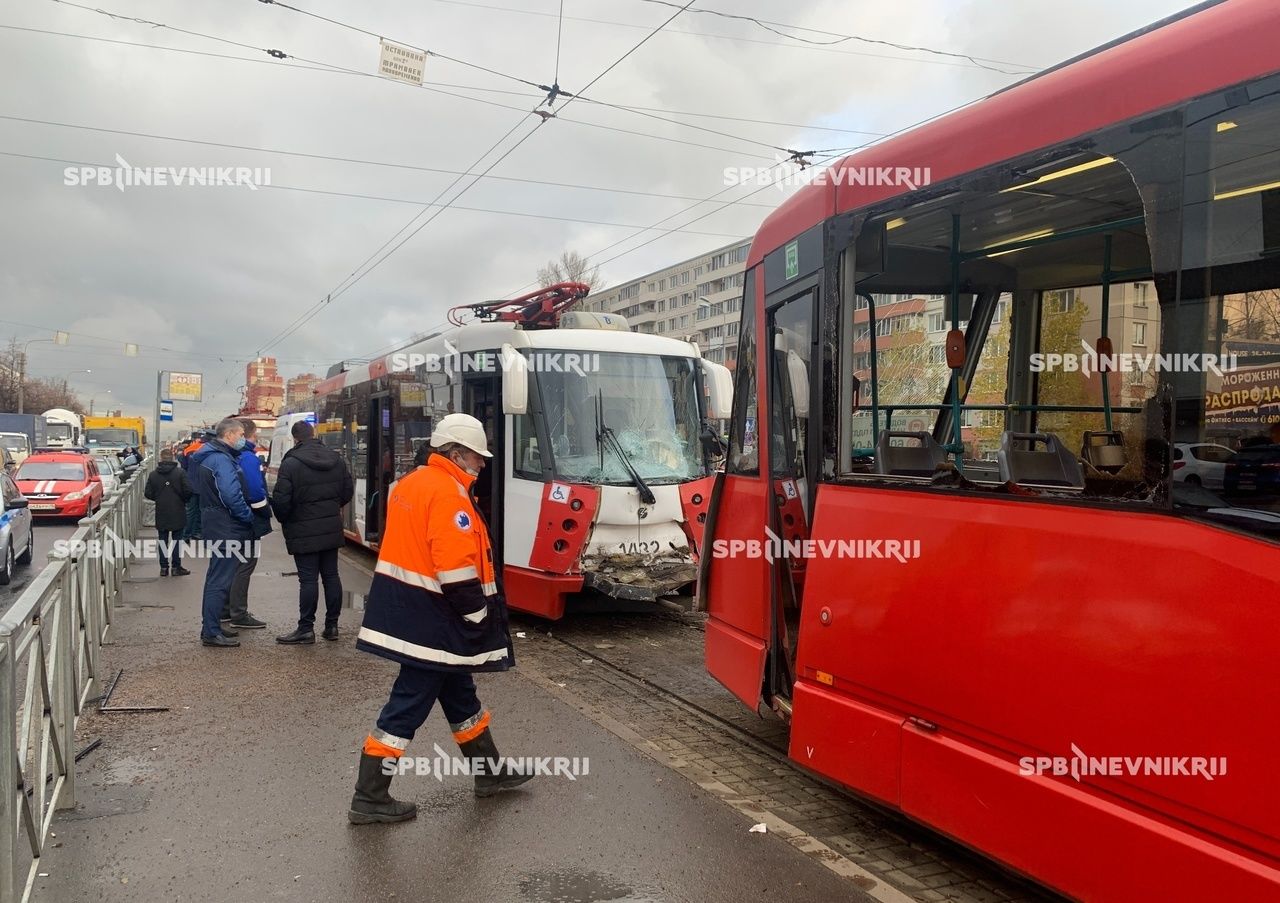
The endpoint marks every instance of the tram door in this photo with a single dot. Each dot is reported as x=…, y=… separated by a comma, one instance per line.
x=380, y=468
x=347, y=443
x=481, y=398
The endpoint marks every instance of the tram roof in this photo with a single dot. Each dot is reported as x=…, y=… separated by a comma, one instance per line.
x=476, y=337
x=1205, y=48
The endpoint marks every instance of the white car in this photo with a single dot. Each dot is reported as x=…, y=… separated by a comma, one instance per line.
x=1201, y=463
x=17, y=539
x=110, y=471
x=18, y=446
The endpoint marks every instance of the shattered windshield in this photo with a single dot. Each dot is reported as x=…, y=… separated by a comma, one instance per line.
x=649, y=402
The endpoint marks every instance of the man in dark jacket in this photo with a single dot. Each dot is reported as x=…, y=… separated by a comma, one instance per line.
x=312, y=486
x=226, y=522
x=192, y=530
x=236, y=610
x=167, y=486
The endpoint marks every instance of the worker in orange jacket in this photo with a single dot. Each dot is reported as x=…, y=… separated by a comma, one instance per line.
x=434, y=607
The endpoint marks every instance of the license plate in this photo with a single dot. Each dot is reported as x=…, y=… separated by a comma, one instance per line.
x=39, y=507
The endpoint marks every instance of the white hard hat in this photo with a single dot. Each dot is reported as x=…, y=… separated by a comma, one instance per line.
x=462, y=429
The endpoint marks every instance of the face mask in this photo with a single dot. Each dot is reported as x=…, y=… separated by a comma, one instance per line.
x=238, y=444
x=462, y=462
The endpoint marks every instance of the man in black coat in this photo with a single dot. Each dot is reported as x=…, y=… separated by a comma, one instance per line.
x=312, y=486
x=167, y=486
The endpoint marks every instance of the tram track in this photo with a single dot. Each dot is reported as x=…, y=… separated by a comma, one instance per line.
x=1011, y=886
x=872, y=839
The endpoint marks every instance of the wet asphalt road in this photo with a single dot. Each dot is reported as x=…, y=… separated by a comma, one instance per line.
x=48, y=531
x=239, y=792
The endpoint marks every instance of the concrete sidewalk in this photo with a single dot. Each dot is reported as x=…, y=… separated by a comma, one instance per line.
x=240, y=791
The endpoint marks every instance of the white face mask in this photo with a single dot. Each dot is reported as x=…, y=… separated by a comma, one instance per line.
x=461, y=461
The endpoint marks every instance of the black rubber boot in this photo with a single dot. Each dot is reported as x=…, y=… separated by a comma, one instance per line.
x=488, y=780
x=372, y=802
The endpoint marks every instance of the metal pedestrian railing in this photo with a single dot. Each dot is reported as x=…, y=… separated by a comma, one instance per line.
x=51, y=640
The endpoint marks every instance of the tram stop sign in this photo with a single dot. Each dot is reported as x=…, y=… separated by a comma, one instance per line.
x=166, y=411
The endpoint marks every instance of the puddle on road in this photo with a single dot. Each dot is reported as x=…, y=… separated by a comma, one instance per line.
x=126, y=770
x=573, y=886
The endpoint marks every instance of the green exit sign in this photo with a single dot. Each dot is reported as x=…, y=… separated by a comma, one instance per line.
x=792, y=255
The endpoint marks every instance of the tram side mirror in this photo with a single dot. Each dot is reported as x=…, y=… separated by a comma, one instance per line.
x=871, y=250
x=798, y=374
x=719, y=383
x=515, y=381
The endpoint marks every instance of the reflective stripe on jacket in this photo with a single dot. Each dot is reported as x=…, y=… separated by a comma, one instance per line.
x=434, y=600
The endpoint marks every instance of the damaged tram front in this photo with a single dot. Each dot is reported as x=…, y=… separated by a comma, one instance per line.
x=602, y=442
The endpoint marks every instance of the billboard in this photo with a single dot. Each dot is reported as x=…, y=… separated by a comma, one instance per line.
x=185, y=387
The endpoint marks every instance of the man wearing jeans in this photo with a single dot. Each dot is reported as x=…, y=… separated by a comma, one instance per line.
x=312, y=486
x=227, y=523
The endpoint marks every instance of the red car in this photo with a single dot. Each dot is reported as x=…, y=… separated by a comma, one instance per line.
x=60, y=484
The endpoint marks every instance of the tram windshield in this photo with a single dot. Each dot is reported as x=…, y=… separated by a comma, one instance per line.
x=650, y=404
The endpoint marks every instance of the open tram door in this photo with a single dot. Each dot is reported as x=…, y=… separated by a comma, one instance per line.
x=482, y=399
x=380, y=465
x=763, y=501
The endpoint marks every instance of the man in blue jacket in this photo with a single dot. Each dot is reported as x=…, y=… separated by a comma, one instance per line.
x=226, y=522
x=236, y=610
x=197, y=442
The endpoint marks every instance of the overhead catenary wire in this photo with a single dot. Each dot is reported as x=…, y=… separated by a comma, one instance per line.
x=330, y=157
x=440, y=210
x=773, y=27
x=559, y=37
x=591, y=258
x=554, y=90
x=373, y=197
x=280, y=56
x=962, y=60
x=433, y=85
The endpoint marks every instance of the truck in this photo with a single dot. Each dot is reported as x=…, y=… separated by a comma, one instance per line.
x=63, y=429
x=22, y=434
x=108, y=435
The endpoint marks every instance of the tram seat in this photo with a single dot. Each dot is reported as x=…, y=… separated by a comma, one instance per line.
x=920, y=460
x=1053, y=466
x=1104, y=450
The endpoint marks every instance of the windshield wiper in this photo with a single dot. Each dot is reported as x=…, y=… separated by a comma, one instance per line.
x=605, y=435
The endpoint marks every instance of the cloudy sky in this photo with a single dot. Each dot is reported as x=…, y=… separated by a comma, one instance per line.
x=202, y=278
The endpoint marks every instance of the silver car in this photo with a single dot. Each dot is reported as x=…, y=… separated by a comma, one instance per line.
x=17, y=538
x=111, y=472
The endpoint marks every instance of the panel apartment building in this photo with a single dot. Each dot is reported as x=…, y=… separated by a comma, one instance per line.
x=697, y=300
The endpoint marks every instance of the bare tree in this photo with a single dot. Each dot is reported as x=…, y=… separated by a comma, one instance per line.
x=571, y=267
x=1253, y=315
x=38, y=394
